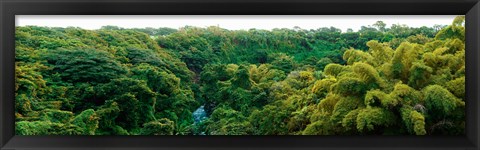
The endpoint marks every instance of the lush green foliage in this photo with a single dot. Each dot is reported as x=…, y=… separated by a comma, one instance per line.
x=114, y=81
x=101, y=82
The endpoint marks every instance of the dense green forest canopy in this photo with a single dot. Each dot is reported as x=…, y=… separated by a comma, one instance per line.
x=398, y=80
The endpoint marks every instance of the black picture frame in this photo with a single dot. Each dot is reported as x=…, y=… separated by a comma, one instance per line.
x=10, y=8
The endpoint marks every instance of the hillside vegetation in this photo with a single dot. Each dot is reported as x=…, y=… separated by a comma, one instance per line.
x=114, y=81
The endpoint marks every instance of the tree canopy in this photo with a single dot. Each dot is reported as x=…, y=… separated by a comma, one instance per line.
x=380, y=80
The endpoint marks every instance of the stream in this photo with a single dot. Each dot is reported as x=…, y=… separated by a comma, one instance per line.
x=199, y=115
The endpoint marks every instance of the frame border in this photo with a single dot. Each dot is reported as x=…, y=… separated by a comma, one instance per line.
x=10, y=8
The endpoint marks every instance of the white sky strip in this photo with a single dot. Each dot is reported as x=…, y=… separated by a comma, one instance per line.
x=235, y=22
